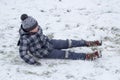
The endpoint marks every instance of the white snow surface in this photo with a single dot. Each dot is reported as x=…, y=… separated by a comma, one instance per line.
x=63, y=19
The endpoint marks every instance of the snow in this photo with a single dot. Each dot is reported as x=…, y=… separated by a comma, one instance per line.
x=62, y=19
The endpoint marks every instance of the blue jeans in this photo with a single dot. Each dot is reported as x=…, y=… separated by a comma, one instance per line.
x=57, y=53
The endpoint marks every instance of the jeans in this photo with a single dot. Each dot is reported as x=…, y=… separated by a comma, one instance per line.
x=58, y=53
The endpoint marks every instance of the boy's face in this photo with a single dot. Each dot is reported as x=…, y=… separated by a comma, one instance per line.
x=34, y=30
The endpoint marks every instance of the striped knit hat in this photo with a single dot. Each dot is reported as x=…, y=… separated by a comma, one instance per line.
x=28, y=22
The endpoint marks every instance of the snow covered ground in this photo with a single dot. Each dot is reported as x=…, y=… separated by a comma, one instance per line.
x=72, y=19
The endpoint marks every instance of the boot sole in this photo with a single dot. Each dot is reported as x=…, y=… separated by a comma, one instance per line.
x=99, y=53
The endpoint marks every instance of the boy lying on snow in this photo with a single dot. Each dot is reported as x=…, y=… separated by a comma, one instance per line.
x=34, y=45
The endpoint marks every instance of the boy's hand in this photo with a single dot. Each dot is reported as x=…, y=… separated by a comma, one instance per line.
x=38, y=63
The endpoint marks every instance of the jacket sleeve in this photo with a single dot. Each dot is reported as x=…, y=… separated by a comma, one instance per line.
x=23, y=50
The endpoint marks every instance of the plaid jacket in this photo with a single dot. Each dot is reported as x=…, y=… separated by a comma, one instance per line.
x=32, y=46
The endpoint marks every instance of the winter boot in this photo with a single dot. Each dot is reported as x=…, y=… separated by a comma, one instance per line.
x=94, y=55
x=93, y=43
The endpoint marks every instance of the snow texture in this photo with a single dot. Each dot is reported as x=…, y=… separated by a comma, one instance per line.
x=62, y=19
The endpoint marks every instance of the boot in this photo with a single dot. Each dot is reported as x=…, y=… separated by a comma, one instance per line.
x=93, y=43
x=94, y=55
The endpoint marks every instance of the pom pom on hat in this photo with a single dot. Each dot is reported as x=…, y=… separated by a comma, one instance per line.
x=23, y=17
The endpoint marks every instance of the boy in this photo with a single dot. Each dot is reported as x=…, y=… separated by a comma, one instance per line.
x=33, y=44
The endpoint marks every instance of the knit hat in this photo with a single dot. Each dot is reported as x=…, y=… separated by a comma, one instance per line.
x=28, y=22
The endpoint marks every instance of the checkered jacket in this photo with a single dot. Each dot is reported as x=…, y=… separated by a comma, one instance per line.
x=32, y=46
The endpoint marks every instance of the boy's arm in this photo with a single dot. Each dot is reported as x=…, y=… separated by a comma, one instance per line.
x=27, y=57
